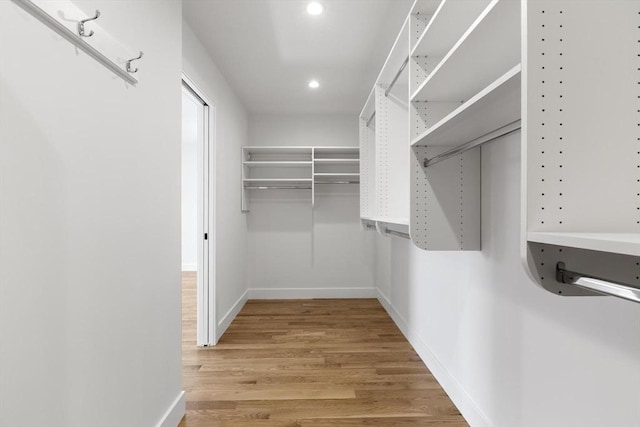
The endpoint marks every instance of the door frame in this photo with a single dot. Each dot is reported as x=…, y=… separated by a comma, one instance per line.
x=207, y=325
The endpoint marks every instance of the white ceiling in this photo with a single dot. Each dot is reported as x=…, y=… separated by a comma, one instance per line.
x=268, y=50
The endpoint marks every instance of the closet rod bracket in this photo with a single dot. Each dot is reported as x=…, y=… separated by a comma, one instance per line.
x=595, y=284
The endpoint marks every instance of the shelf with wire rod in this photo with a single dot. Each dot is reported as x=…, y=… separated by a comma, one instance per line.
x=296, y=168
x=494, y=107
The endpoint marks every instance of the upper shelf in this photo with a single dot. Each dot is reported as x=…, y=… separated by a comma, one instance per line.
x=495, y=106
x=274, y=163
x=619, y=243
x=449, y=22
x=486, y=50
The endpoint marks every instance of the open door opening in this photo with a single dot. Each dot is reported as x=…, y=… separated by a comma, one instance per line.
x=197, y=234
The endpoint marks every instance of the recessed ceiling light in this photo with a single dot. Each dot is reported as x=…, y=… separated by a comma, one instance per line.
x=315, y=8
x=314, y=84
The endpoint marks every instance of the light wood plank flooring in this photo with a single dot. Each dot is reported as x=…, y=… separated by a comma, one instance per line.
x=309, y=363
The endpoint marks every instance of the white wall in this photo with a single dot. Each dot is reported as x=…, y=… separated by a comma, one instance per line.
x=90, y=223
x=508, y=352
x=294, y=250
x=231, y=135
x=191, y=122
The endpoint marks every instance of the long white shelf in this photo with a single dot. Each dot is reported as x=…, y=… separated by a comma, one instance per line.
x=448, y=24
x=280, y=180
x=336, y=174
x=619, y=243
x=337, y=161
x=489, y=47
x=284, y=164
x=495, y=106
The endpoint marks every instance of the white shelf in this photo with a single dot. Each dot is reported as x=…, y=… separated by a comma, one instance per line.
x=276, y=180
x=336, y=175
x=495, y=106
x=490, y=47
x=284, y=164
x=337, y=161
x=282, y=149
x=619, y=243
x=448, y=24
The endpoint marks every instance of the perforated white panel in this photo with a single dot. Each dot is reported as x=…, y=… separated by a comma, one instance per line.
x=367, y=169
x=445, y=201
x=582, y=146
x=382, y=154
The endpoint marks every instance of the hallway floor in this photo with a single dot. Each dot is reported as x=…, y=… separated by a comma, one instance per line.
x=309, y=363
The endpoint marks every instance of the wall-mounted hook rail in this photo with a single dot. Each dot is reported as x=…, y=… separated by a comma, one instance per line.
x=81, y=30
x=502, y=131
x=595, y=284
x=397, y=233
x=74, y=38
x=133, y=70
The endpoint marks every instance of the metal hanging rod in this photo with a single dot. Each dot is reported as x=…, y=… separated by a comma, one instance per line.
x=395, y=79
x=373, y=115
x=597, y=285
x=337, y=182
x=76, y=39
x=503, y=131
x=278, y=187
x=397, y=233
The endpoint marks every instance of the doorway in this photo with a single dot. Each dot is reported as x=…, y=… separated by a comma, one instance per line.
x=198, y=233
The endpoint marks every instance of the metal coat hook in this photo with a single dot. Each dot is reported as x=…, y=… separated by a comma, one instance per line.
x=81, y=31
x=131, y=70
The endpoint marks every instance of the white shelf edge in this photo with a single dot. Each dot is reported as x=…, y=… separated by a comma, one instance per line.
x=301, y=163
x=619, y=243
x=253, y=180
x=327, y=174
x=475, y=100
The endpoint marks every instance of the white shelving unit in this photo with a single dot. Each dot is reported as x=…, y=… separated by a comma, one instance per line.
x=562, y=77
x=384, y=138
x=470, y=92
x=291, y=168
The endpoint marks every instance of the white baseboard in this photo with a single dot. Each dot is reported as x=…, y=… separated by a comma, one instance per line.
x=174, y=414
x=226, y=320
x=310, y=293
x=189, y=267
x=467, y=407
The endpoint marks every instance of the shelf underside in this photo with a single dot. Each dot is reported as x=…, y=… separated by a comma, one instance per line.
x=618, y=243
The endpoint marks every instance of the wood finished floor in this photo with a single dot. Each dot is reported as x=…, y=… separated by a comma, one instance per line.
x=309, y=363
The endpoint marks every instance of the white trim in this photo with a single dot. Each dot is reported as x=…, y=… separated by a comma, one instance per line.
x=226, y=320
x=308, y=293
x=465, y=404
x=189, y=267
x=207, y=314
x=175, y=413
